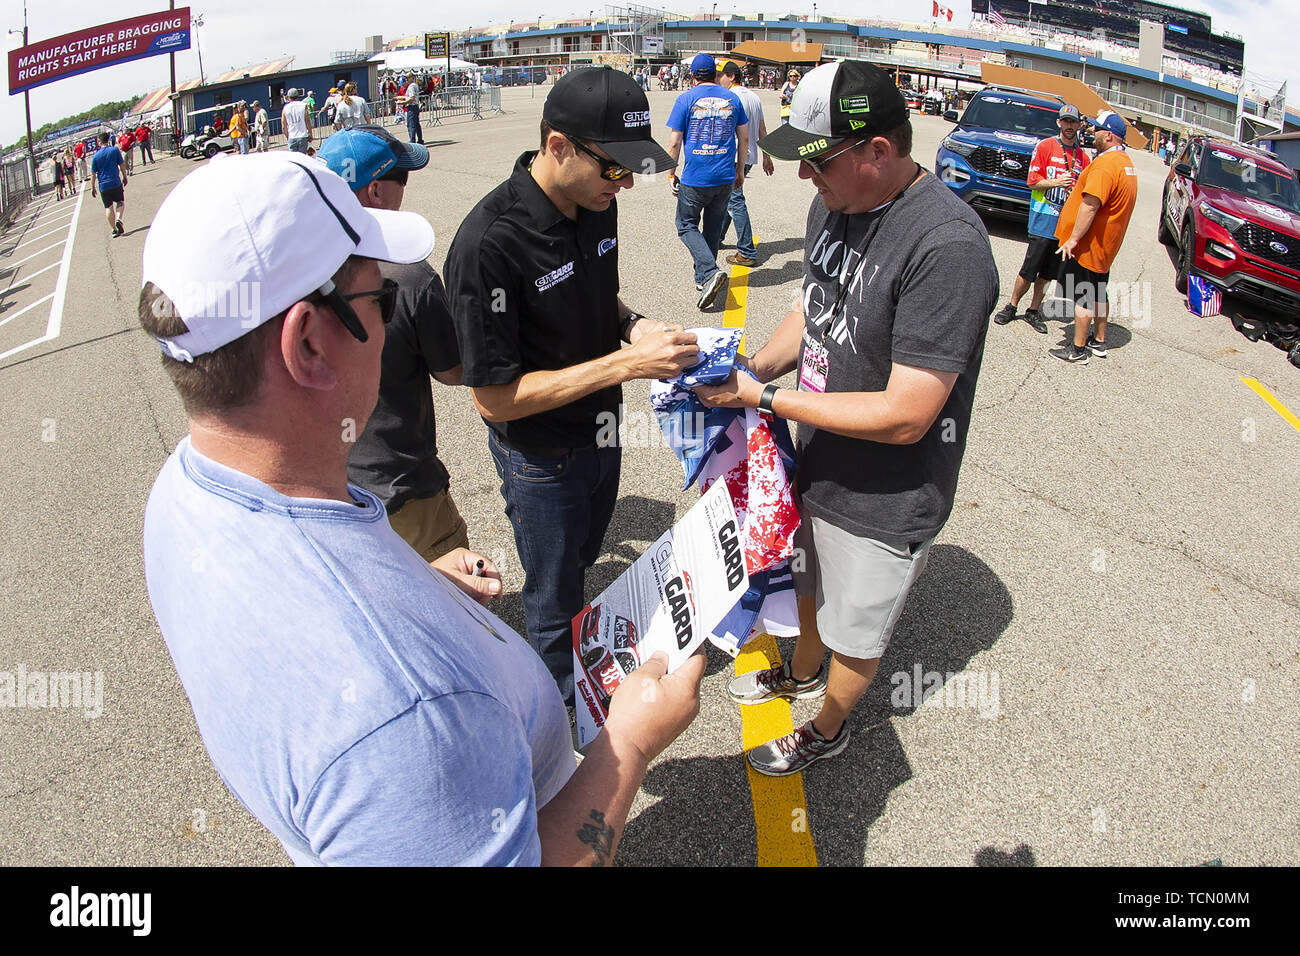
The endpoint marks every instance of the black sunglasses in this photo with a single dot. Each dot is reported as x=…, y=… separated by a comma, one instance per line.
x=609, y=169
x=386, y=296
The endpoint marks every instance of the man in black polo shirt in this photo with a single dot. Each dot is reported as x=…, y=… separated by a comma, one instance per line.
x=396, y=456
x=532, y=278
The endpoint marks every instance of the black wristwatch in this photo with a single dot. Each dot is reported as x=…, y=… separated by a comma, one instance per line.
x=765, y=402
x=625, y=327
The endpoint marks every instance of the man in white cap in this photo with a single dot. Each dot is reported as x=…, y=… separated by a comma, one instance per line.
x=356, y=700
x=1091, y=230
x=888, y=337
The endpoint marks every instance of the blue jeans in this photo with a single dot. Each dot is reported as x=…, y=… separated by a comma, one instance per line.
x=559, y=508
x=737, y=210
x=712, y=202
x=413, y=131
x=241, y=142
x=299, y=144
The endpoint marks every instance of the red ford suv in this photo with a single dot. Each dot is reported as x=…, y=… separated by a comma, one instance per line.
x=1233, y=213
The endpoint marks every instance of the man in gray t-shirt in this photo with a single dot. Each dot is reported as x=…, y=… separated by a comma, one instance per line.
x=888, y=336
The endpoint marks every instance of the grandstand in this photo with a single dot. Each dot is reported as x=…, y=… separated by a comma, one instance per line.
x=1188, y=35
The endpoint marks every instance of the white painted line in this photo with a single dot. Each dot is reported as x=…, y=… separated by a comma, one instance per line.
x=26, y=308
x=30, y=241
x=44, y=221
x=54, y=325
x=30, y=275
x=61, y=290
x=10, y=265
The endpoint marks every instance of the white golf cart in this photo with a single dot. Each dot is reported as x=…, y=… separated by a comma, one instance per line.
x=206, y=142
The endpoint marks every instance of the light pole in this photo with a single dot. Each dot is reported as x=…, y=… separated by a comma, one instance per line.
x=197, y=21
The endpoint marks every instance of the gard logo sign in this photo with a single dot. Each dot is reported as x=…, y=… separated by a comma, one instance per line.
x=636, y=118
x=555, y=277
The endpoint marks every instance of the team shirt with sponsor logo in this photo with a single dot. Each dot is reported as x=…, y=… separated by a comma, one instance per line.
x=531, y=290
x=920, y=296
x=707, y=116
x=1051, y=159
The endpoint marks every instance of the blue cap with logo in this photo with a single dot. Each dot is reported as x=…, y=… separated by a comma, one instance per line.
x=365, y=153
x=1112, y=123
x=704, y=65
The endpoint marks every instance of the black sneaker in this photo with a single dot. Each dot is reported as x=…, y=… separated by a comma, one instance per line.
x=118, y=227
x=1007, y=314
x=1035, y=320
x=1071, y=353
x=1096, y=348
x=796, y=750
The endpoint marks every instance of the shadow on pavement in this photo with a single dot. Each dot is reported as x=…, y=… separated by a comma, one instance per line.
x=957, y=609
x=1022, y=855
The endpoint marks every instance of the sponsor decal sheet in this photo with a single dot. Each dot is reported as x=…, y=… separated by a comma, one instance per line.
x=671, y=599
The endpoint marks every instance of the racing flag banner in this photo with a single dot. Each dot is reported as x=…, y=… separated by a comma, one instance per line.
x=96, y=47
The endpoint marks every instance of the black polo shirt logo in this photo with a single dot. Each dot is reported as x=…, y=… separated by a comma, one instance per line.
x=554, y=277
x=605, y=245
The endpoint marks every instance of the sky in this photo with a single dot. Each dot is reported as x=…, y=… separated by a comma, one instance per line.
x=242, y=32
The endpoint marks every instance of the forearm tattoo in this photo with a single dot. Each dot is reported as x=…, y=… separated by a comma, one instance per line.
x=598, y=836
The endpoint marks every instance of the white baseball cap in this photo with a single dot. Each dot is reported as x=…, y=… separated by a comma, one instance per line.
x=241, y=239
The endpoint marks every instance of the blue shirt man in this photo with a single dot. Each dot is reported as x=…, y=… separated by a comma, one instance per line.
x=109, y=171
x=711, y=123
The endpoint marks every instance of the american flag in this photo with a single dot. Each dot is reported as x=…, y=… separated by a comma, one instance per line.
x=997, y=18
x=1204, y=298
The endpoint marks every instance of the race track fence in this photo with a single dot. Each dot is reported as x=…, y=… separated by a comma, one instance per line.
x=458, y=102
x=17, y=186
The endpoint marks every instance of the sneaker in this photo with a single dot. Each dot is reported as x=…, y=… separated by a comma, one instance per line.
x=736, y=259
x=1035, y=320
x=117, y=226
x=758, y=687
x=1071, y=353
x=1096, y=348
x=796, y=750
x=1007, y=314
x=711, y=289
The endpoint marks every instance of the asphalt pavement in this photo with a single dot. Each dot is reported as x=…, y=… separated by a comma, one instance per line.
x=1107, y=634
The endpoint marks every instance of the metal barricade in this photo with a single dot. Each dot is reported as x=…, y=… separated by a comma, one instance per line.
x=16, y=187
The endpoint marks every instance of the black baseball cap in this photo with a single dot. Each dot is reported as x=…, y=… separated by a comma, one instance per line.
x=832, y=103
x=607, y=108
x=731, y=69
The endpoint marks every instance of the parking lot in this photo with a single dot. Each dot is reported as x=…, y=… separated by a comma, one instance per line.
x=1117, y=579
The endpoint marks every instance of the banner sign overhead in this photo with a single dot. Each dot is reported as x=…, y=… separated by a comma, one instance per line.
x=97, y=47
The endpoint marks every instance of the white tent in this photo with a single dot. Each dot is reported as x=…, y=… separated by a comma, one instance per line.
x=414, y=59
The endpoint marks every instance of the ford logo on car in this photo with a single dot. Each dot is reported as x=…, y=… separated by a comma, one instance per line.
x=1011, y=164
x=1277, y=247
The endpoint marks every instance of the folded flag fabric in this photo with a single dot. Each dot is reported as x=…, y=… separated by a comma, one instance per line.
x=753, y=454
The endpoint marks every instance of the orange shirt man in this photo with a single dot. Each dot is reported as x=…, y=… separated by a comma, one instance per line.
x=1091, y=230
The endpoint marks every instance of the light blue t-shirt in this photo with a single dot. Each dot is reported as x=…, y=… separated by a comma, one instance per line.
x=357, y=703
x=707, y=116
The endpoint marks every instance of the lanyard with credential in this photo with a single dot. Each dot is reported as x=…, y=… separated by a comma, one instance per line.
x=845, y=281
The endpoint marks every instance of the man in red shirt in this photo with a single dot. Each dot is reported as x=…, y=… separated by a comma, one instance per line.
x=79, y=151
x=1091, y=230
x=142, y=135
x=124, y=142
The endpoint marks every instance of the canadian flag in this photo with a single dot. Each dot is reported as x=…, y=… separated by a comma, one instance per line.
x=941, y=12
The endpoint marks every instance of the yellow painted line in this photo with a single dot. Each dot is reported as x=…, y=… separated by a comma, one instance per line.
x=781, y=821
x=1267, y=396
x=780, y=810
